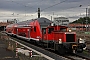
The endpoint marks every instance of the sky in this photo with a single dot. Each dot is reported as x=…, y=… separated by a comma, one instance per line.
x=27, y=9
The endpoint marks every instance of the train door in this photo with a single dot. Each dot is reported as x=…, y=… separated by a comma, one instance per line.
x=47, y=33
x=15, y=30
x=44, y=37
x=44, y=34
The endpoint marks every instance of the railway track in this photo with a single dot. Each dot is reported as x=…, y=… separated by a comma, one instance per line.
x=77, y=57
x=56, y=56
x=53, y=54
x=46, y=52
x=88, y=50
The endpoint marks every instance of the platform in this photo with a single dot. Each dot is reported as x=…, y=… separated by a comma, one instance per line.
x=6, y=54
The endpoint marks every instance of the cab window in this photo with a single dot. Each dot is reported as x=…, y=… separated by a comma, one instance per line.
x=63, y=29
x=50, y=30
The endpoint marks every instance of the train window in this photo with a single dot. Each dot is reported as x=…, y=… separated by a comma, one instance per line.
x=34, y=29
x=65, y=21
x=63, y=29
x=22, y=34
x=50, y=30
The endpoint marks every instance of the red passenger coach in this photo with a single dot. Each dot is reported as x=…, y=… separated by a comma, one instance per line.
x=39, y=31
x=11, y=29
x=31, y=29
x=27, y=31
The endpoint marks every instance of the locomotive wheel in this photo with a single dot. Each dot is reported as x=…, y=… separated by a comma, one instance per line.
x=61, y=50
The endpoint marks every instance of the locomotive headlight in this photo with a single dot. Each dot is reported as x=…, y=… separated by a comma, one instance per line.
x=60, y=41
x=81, y=40
x=69, y=30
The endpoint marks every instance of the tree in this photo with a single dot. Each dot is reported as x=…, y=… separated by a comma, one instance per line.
x=82, y=20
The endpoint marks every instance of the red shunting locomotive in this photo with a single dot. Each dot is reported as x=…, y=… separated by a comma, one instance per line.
x=40, y=31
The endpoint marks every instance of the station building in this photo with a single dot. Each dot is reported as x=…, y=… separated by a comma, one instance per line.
x=4, y=24
x=61, y=21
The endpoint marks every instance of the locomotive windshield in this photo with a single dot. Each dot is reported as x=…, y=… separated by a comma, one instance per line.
x=50, y=30
x=63, y=29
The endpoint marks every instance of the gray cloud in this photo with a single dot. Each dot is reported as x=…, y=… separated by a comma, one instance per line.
x=66, y=8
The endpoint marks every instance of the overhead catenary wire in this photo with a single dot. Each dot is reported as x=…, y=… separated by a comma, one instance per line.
x=26, y=6
x=53, y=5
x=22, y=4
x=41, y=9
x=44, y=8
